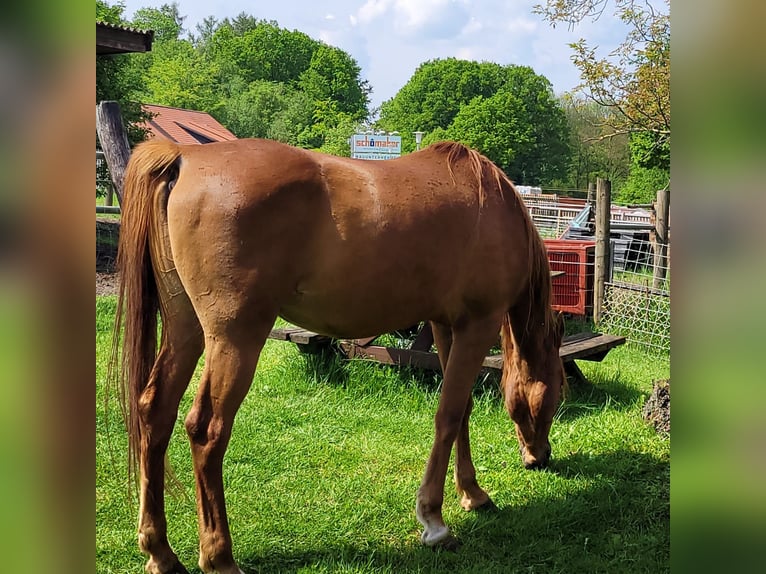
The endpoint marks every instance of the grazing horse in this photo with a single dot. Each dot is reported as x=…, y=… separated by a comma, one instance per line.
x=221, y=239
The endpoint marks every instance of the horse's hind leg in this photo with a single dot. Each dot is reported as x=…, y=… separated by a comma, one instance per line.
x=473, y=496
x=179, y=352
x=231, y=355
x=470, y=343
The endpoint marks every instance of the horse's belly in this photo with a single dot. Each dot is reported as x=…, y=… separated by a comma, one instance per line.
x=344, y=313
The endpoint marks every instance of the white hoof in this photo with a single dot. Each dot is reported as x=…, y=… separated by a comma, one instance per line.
x=435, y=535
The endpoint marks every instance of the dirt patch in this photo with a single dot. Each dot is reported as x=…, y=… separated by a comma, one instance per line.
x=657, y=407
x=107, y=235
x=107, y=283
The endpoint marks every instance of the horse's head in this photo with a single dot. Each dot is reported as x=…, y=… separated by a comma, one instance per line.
x=532, y=388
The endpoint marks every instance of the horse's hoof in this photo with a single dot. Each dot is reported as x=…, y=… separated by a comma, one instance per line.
x=439, y=537
x=177, y=568
x=449, y=543
x=488, y=506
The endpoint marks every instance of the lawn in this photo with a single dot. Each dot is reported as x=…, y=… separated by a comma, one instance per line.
x=325, y=460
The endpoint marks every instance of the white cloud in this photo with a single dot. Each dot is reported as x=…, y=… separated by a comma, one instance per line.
x=411, y=18
x=372, y=10
x=522, y=25
x=473, y=26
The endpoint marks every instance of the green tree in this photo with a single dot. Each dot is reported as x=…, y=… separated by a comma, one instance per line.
x=116, y=79
x=179, y=76
x=259, y=50
x=649, y=170
x=166, y=22
x=258, y=79
x=434, y=94
x=594, y=151
x=507, y=112
x=337, y=136
x=292, y=124
x=334, y=76
x=267, y=110
x=633, y=82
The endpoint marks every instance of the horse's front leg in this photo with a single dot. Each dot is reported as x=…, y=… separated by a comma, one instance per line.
x=228, y=374
x=469, y=346
x=473, y=496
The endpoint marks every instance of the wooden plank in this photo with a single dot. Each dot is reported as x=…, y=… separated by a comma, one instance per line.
x=591, y=349
x=572, y=370
x=392, y=356
x=303, y=337
x=581, y=336
x=585, y=346
x=493, y=362
x=424, y=340
x=283, y=333
x=364, y=342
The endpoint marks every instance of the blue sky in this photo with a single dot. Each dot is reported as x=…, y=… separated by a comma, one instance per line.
x=390, y=38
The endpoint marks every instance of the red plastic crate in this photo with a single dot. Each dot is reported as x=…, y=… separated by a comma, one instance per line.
x=573, y=291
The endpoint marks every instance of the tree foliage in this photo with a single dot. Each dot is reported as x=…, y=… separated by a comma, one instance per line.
x=634, y=80
x=435, y=93
x=115, y=79
x=258, y=79
x=592, y=154
x=507, y=112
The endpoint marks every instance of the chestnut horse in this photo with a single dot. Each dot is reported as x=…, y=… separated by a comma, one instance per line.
x=221, y=239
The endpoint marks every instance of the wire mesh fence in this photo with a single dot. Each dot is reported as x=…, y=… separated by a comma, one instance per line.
x=637, y=296
x=637, y=284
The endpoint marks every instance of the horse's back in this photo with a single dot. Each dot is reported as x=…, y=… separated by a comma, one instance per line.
x=341, y=246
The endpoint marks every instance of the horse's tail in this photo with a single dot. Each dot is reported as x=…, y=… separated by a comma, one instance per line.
x=138, y=300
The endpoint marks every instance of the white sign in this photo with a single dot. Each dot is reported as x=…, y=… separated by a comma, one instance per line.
x=369, y=146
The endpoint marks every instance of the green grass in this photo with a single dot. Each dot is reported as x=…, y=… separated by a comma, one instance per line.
x=325, y=460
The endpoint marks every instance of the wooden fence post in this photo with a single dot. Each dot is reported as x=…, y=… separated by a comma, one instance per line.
x=591, y=193
x=114, y=142
x=603, y=219
x=662, y=211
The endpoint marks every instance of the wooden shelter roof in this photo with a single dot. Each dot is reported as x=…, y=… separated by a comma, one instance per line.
x=112, y=39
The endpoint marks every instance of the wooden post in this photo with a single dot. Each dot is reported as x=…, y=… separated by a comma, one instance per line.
x=662, y=211
x=603, y=218
x=591, y=192
x=114, y=142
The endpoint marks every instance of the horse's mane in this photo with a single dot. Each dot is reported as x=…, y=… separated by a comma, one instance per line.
x=456, y=151
x=540, y=285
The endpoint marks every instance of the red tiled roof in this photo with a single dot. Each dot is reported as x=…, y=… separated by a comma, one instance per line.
x=185, y=126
